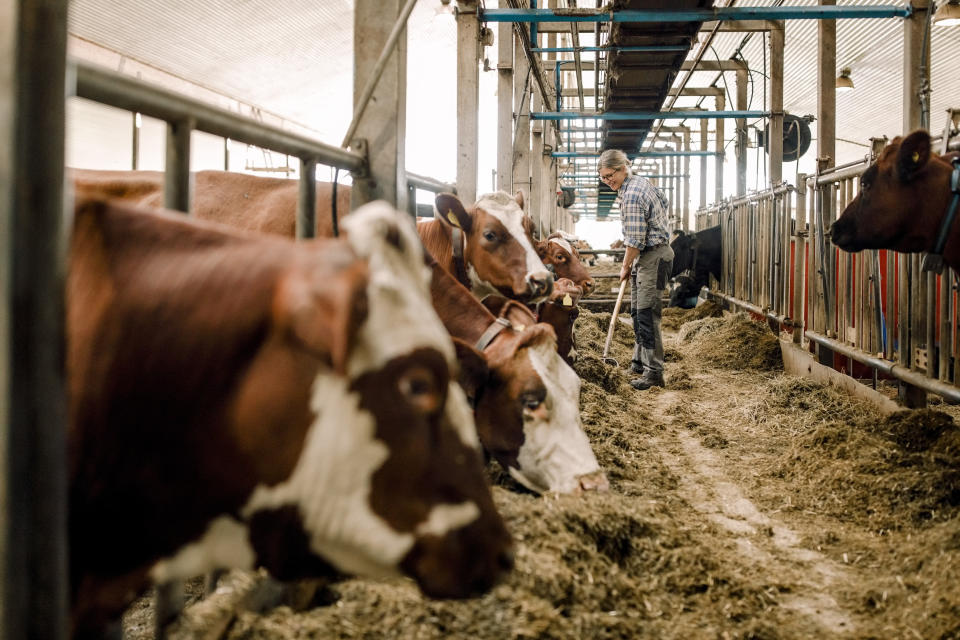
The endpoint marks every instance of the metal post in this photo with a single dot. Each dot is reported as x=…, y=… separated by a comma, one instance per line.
x=307, y=200
x=521, y=100
x=135, y=141
x=685, y=224
x=775, y=157
x=384, y=119
x=33, y=481
x=703, y=164
x=741, y=140
x=916, y=74
x=536, y=167
x=176, y=177
x=505, y=104
x=718, y=163
x=468, y=99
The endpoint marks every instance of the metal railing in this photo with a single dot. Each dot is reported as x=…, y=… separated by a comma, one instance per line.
x=876, y=307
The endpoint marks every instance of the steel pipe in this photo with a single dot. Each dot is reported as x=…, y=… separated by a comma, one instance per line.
x=646, y=115
x=697, y=15
x=429, y=184
x=128, y=93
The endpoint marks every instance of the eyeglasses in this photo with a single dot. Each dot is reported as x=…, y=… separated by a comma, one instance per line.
x=608, y=176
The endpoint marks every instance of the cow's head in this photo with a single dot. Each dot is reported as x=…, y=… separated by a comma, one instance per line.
x=562, y=254
x=499, y=256
x=390, y=480
x=683, y=291
x=529, y=416
x=684, y=245
x=902, y=198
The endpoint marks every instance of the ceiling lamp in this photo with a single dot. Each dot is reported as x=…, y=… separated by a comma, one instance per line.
x=948, y=15
x=445, y=9
x=844, y=83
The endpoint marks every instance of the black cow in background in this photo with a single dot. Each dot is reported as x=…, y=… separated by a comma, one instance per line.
x=695, y=256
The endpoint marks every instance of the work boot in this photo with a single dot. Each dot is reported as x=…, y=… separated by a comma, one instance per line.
x=636, y=367
x=647, y=380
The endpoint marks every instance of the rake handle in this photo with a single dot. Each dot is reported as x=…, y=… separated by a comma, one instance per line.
x=613, y=318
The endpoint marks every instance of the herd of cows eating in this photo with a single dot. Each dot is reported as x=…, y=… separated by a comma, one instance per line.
x=239, y=399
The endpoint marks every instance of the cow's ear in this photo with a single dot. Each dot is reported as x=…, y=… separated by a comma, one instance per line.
x=519, y=198
x=474, y=371
x=323, y=314
x=452, y=213
x=913, y=155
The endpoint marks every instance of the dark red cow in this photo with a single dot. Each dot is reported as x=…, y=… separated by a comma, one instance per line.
x=902, y=202
x=559, y=251
x=560, y=312
x=240, y=400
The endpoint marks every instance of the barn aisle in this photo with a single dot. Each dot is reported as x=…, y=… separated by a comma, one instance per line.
x=744, y=504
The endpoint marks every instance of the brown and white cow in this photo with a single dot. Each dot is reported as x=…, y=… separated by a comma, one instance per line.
x=487, y=248
x=498, y=257
x=902, y=202
x=240, y=400
x=560, y=312
x=560, y=252
x=528, y=408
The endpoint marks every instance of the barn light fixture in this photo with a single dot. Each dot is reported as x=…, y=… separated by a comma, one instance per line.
x=948, y=15
x=844, y=83
x=445, y=9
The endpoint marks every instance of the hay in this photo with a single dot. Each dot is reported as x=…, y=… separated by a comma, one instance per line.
x=876, y=498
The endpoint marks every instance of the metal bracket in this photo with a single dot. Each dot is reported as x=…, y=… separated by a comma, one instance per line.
x=360, y=146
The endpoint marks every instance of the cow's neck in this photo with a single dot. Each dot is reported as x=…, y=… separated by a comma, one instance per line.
x=461, y=313
x=458, y=243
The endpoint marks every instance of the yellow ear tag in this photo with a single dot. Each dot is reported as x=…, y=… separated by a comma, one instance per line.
x=567, y=300
x=916, y=156
x=453, y=219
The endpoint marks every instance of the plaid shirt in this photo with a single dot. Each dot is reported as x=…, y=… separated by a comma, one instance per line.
x=643, y=213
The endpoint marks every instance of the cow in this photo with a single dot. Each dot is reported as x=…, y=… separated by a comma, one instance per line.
x=528, y=406
x=582, y=245
x=696, y=256
x=238, y=400
x=903, y=201
x=488, y=247
x=559, y=252
x=560, y=312
x=497, y=257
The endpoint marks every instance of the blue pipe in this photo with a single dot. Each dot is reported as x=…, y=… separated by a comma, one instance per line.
x=653, y=48
x=638, y=154
x=698, y=15
x=645, y=115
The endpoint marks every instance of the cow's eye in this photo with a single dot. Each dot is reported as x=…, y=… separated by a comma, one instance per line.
x=561, y=259
x=489, y=236
x=421, y=389
x=532, y=400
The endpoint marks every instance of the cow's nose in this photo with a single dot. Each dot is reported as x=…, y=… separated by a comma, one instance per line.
x=540, y=283
x=588, y=285
x=596, y=481
x=505, y=559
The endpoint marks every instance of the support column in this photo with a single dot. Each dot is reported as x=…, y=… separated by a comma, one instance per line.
x=521, y=101
x=536, y=166
x=719, y=159
x=468, y=99
x=775, y=143
x=505, y=104
x=741, y=139
x=685, y=223
x=704, y=143
x=916, y=74
x=383, y=126
x=827, y=92
x=33, y=483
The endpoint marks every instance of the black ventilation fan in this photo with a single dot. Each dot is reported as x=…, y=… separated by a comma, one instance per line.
x=796, y=136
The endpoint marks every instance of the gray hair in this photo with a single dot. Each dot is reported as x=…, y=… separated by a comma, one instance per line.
x=614, y=159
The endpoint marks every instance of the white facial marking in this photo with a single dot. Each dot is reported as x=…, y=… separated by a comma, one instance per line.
x=563, y=244
x=224, y=544
x=504, y=208
x=332, y=481
x=556, y=451
x=480, y=288
x=447, y=517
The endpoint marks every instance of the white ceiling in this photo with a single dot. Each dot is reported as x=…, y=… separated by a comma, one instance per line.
x=294, y=58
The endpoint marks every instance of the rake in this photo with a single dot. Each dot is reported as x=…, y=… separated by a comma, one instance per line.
x=613, y=323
